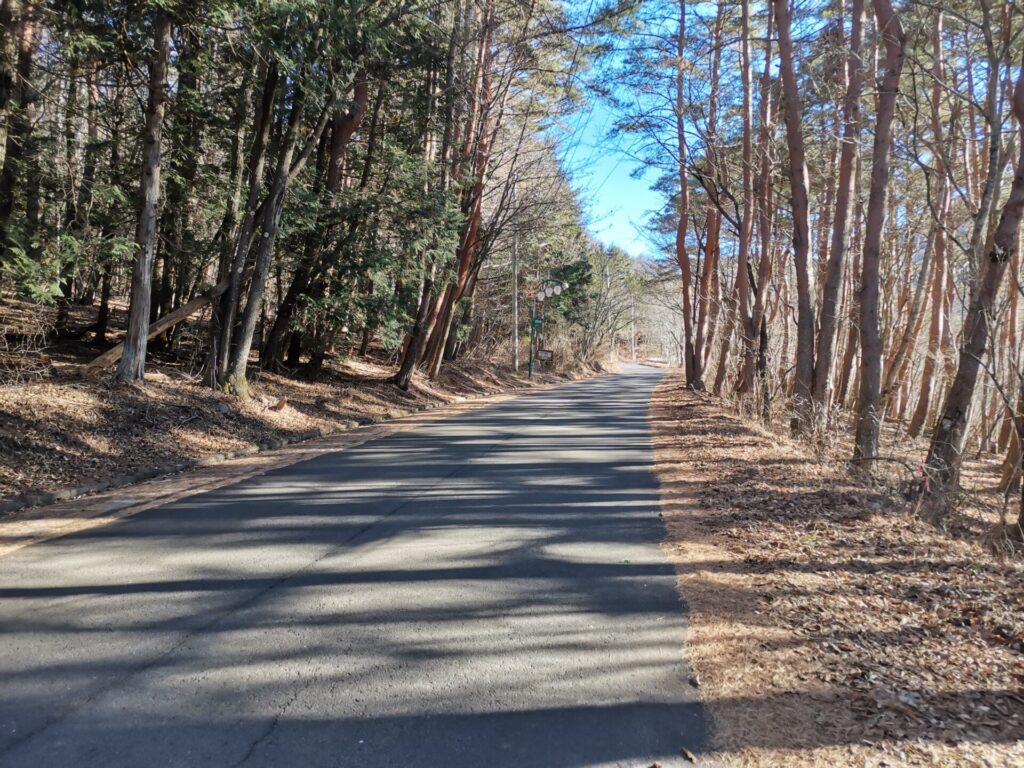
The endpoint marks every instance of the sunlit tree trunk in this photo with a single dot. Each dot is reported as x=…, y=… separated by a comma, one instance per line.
x=765, y=216
x=748, y=329
x=847, y=371
x=480, y=132
x=690, y=363
x=1016, y=360
x=798, y=183
x=708, y=289
x=946, y=452
x=845, y=192
x=714, y=295
x=730, y=307
x=869, y=415
x=132, y=366
x=939, y=319
x=1011, y=473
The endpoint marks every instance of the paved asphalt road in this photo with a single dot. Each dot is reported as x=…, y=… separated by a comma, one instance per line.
x=483, y=591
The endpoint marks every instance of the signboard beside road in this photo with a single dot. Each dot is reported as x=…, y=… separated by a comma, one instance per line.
x=545, y=355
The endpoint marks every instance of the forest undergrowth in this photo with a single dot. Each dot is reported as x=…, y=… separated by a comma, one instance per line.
x=58, y=429
x=829, y=624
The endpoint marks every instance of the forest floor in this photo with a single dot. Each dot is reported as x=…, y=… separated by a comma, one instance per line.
x=58, y=430
x=829, y=626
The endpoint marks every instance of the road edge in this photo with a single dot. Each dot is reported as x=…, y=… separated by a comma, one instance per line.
x=71, y=510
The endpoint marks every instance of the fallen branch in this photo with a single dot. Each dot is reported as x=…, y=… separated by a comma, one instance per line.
x=161, y=325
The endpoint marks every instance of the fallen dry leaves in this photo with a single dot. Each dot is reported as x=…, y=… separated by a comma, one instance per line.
x=25, y=527
x=828, y=626
x=64, y=432
x=58, y=431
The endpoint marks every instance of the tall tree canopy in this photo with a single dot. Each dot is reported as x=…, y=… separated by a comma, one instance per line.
x=841, y=186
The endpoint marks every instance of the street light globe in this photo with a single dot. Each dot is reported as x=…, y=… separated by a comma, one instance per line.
x=549, y=291
x=558, y=290
x=540, y=295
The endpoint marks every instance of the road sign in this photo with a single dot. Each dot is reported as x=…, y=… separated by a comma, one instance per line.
x=537, y=323
x=545, y=355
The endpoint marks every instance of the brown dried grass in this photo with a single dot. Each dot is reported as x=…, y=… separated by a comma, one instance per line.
x=64, y=431
x=828, y=626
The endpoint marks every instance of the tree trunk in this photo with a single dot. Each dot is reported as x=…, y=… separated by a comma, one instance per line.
x=847, y=369
x=845, y=193
x=132, y=366
x=19, y=149
x=988, y=163
x=730, y=307
x=765, y=217
x=187, y=124
x=1006, y=431
x=257, y=161
x=1011, y=474
x=272, y=350
x=270, y=222
x=690, y=363
x=11, y=12
x=481, y=127
x=417, y=336
x=946, y=452
x=708, y=303
x=74, y=206
x=228, y=229
x=20, y=40
x=344, y=125
x=798, y=182
x=748, y=329
x=869, y=414
x=103, y=315
x=939, y=318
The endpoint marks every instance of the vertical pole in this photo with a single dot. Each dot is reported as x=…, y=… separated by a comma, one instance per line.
x=632, y=331
x=515, y=305
x=533, y=314
x=611, y=321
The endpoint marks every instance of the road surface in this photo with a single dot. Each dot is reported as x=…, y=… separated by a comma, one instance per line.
x=484, y=591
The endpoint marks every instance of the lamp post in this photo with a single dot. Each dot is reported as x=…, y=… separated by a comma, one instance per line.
x=515, y=305
x=515, y=300
x=545, y=290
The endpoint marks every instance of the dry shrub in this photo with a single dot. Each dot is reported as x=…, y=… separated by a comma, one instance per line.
x=24, y=330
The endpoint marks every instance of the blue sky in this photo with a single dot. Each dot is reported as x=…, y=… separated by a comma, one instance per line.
x=616, y=205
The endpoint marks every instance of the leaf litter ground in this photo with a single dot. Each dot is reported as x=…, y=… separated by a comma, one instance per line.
x=830, y=627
